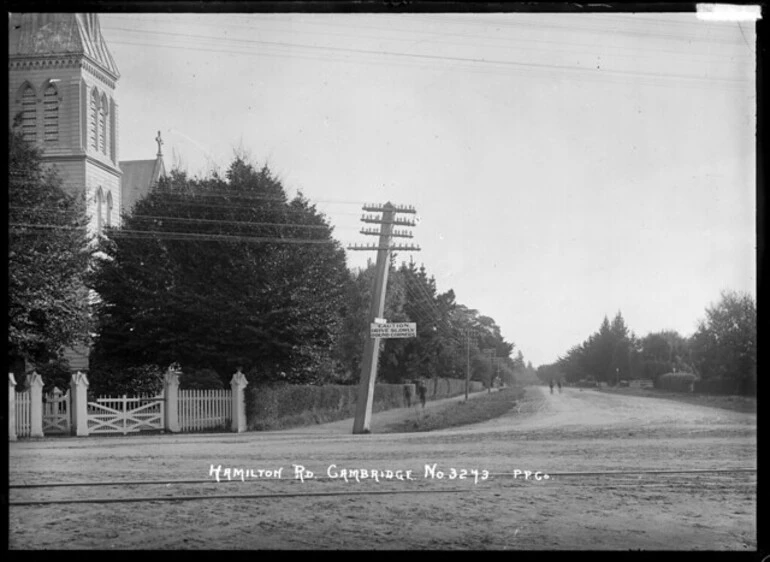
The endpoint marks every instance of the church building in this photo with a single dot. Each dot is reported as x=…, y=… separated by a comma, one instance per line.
x=62, y=95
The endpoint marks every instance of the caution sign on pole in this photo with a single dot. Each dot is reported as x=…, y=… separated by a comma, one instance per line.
x=394, y=330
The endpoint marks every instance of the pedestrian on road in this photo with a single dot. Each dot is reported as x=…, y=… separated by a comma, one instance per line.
x=551, y=385
x=422, y=390
x=559, y=383
x=408, y=395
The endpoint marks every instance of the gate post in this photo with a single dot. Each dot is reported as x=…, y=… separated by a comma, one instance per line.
x=11, y=408
x=35, y=385
x=171, y=391
x=237, y=384
x=79, y=403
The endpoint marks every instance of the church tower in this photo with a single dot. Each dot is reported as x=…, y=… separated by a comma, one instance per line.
x=61, y=93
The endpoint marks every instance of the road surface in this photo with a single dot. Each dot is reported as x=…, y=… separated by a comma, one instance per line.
x=555, y=435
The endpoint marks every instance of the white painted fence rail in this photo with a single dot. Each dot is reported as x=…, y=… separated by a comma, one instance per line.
x=199, y=410
x=23, y=414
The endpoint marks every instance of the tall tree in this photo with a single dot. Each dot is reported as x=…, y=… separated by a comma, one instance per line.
x=48, y=257
x=620, y=366
x=663, y=352
x=439, y=349
x=725, y=344
x=223, y=273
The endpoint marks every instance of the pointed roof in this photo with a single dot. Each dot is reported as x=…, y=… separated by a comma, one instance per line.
x=42, y=34
x=138, y=178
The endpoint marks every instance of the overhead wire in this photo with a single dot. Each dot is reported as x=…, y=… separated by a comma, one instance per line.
x=187, y=236
x=429, y=57
x=591, y=74
x=573, y=27
x=433, y=315
x=520, y=43
x=123, y=233
x=227, y=193
x=217, y=221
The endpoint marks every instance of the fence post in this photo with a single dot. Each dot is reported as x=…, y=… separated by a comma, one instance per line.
x=171, y=390
x=237, y=384
x=11, y=408
x=35, y=386
x=79, y=403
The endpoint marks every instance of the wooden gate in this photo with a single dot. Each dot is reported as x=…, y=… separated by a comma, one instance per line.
x=56, y=413
x=125, y=415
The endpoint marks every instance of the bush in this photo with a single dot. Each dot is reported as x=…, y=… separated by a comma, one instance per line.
x=115, y=380
x=279, y=405
x=276, y=406
x=720, y=385
x=678, y=382
x=200, y=379
x=55, y=373
x=586, y=383
x=446, y=388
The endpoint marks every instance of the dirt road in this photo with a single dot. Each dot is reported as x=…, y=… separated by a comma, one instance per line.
x=575, y=431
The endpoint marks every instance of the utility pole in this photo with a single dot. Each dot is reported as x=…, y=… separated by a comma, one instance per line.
x=468, y=333
x=372, y=345
x=491, y=353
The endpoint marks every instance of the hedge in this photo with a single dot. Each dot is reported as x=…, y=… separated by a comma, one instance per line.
x=726, y=386
x=678, y=382
x=281, y=406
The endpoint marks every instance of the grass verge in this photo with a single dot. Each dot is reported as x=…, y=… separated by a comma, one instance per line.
x=744, y=404
x=479, y=409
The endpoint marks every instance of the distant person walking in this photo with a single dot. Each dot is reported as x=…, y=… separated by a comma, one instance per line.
x=408, y=395
x=550, y=383
x=422, y=390
x=559, y=383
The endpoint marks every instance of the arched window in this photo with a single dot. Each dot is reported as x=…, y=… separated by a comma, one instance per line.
x=103, y=125
x=108, y=217
x=94, y=119
x=99, y=200
x=51, y=114
x=29, y=114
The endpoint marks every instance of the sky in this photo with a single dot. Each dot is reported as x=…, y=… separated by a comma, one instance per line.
x=563, y=167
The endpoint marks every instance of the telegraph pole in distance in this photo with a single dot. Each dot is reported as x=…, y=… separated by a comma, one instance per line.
x=491, y=352
x=372, y=345
x=468, y=333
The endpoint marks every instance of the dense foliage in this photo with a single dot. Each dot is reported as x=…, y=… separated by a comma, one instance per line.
x=441, y=348
x=723, y=350
x=221, y=273
x=607, y=355
x=48, y=258
x=725, y=344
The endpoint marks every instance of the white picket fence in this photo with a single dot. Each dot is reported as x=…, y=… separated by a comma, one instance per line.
x=75, y=413
x=23, y=414
x=199, y=410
